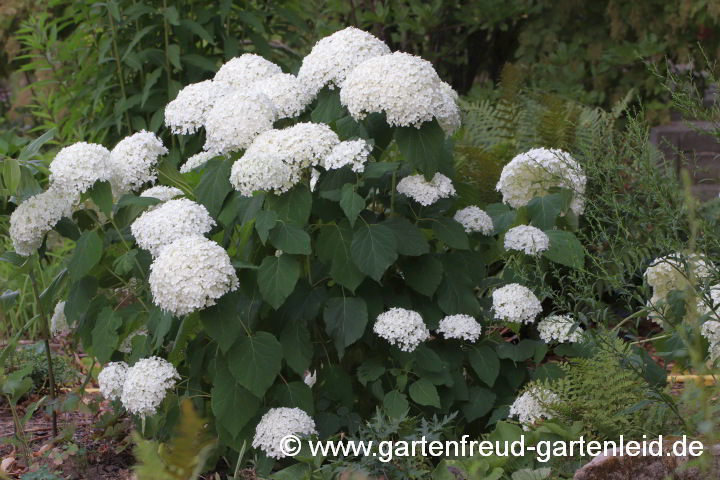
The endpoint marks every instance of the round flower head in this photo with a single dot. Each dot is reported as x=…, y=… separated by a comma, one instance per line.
x=126, y=345
x=162, y=193
x=559, y=329
x=404, y=86
x=515, y=303
x=190, y=274
x=424, y=192
x=133, y=161
x=197, y=160
x=462, y=327
x=447, y=113
x=241, y=72
x=278, y=423
x=170, y=221
x=401, y=327
x=351, y=152
x=76, y=168
x=532, y=405
x=188, y=112
x=474, y=220
x=35, y=217
x=146, y=384
x=714, y=352
x=334, y=57
x=288, y=94
x=111, y=380
x=233, y=123
x=58, y=323
x=527, y=239
x=711, y=331
x=533, y=173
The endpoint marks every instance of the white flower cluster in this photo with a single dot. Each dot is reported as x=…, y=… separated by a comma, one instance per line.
x=111, y=380
x=162, y=193
x=288, y=94
x=76, y=168
x=462, y=327
x=515, y=303
x=278, y=423
x=188, y=112
x=189, y=274
x=243, y=71
x=197, y=160
x=527, y=239
x=711, y=328
x=170, y=221
x=36, y=216
x=424, y=192
x=351, y=152
x=276, y=158
x=59, y=323
x=532, y=405
x=405, y=87
x=533, y=173
x=401, y=327
x=473, y=219
x=233, y=123
x=133, y=160
x=146, y=384
x=334, y=57
x=559, y=328
x=126, y=345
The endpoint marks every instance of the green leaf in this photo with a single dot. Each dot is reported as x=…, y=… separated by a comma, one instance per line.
x=214, y=185
x=423, y=274
x=255, y=361
x=290, y=238
x=334, y=246
x=294, y=395
x=264, y=222
x=104, y=336
x=456, y=293
x=101, y=194
x=277, y=277
x=329, y=107
x=292, y=206
x=373, y=249
x=11, y=174
x=79, y=298
x=87, y=253
x=395, y=404
x=48, y=296
x=345, y=320
x=351, y=203
x=502, y=217
x=200, y=61
x=297, y=346
x=423, y=392
x=198, y=30
x=173, y=54
x=129, y=199
x=222, y=321
x=232, y=405
x=34, y=147
x=485, y=363
x=424, y=148
x=451, y=232
x=150, y=81
x=544, y=210
x=481, y=402
x=565, y=249
x=517, y=353
x=410, y=240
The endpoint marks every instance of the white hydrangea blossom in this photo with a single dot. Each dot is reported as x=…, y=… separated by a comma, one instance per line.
x=36, y=216
x=559, y=328
x=146, y=384
x=527, y=239
x=350, y=152
x=405, y=87
x=111, y=380
x=515, y=303
x=401, y=327
x=126, y=345
x=532, y=405
x=197, y=160
x=275, y=160
x=533, y=173
x=190, y=274
x=714, y=352
x=462, y=327
x=170, y=221
x=278, y=423
x=188, y=112
x=310, y=378
x=334, y=57
x=233, y=123
x=241, y=72
x=289, y=95
x=162, y=193
x=59, y=323
x=133, y=161
x=473, y=219
x=424, y=192
x=76, y=168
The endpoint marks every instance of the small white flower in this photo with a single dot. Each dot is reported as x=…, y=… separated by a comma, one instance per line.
x=401, y=327
x=352, y=152
x=424, y=192
x=241, y=72
x=462, y=327
x=473, y=219
x=278, y=423
x=162, y=193
x=559, y=328
x=36, y=216
x=146, y=385
x=527, y=239
x=59, y=323
x=111, y=380
x=76, y=168
x=532, y=405
x=515, y=303
x=310, y=379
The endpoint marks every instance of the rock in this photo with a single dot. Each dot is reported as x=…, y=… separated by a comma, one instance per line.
x=610, y=466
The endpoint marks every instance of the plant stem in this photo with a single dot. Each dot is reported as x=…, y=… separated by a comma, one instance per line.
x=48, y=355
x=392, y=197
x=119, y=68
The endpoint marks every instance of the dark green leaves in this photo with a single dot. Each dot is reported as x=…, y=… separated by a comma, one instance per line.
x=293, y=205
x=104, y=336
x=423, y=392
x=290, y=238
x=520, y=352
x=334, y=247
x=565, y=249
x=423, y=274
x=395, y=404
x=255, y=362
x=329, y=107
x=480, y=403
x=485, y=363
x=544, y=210
x=297, y=346
x=450, y=232
x=101, y=194
x=409, y=239
x=351, y=203
x=88, y=250
x=277, y=277
x=264, y=222
x=214, y=185
x=345, y=320
x=374, y=249
x=232, y=405
x=424, y=148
